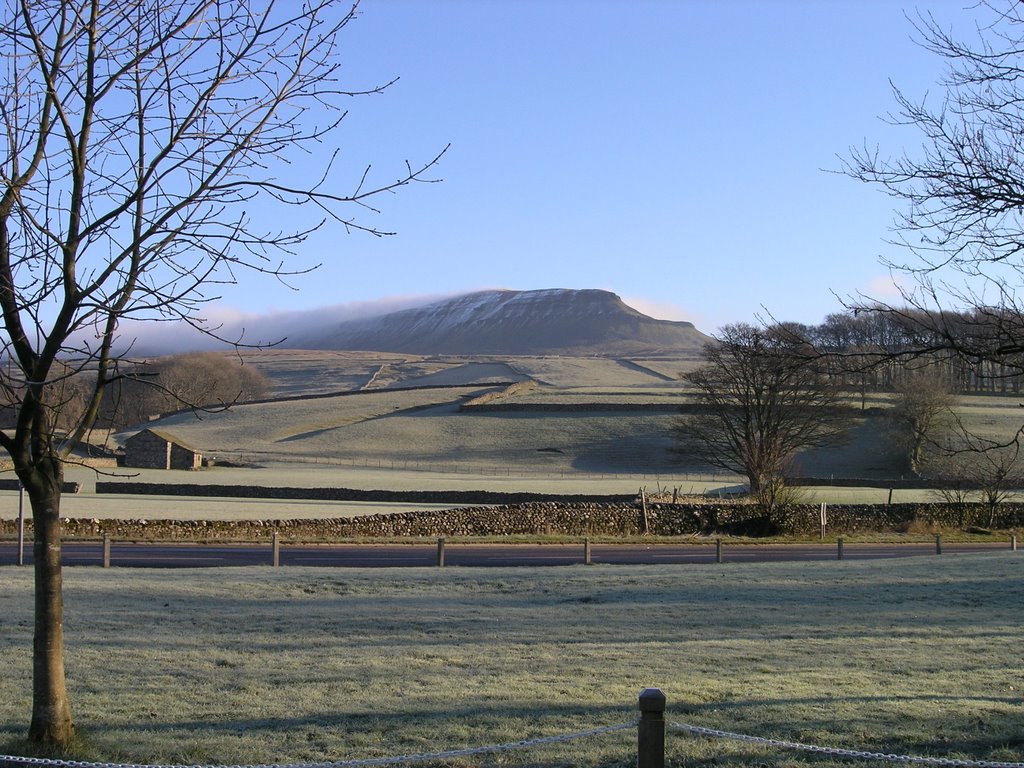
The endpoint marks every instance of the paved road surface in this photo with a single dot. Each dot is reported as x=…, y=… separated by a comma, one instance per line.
x=152, y=555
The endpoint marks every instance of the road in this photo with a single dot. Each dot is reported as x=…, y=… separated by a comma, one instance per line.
x=199, y=555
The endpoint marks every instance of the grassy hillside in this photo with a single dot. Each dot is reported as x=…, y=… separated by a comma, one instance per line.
x=587, y=416
x=428, y=427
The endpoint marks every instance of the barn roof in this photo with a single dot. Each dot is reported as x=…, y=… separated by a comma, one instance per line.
x=165, y=436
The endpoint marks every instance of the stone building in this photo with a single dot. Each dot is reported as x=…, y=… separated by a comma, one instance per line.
x=155, y=449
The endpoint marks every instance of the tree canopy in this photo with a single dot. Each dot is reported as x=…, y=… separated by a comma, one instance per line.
x=762, y=396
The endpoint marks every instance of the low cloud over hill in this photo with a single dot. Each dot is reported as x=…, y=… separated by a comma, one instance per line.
x=503, y=322
x=493, y=322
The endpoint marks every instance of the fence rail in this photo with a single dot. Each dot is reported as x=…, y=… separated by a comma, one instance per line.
x=200, y=552
x=651, y=730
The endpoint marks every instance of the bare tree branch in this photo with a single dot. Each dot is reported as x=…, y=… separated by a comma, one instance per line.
x=138, y=140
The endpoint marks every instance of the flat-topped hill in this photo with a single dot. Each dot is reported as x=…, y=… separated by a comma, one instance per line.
x=503, y=322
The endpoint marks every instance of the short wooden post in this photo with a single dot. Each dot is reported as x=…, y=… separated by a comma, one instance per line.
x=650, y=741
x=839, y=548
x=718, y=550
x=938, y=543
x=275, y=550
x=586, y=551
x=106, y=550
x=1013, y=542
x=440, y=551
x=890, y=497
x=643, y=506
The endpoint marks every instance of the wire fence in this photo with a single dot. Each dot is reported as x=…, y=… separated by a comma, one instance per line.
x=651, y=732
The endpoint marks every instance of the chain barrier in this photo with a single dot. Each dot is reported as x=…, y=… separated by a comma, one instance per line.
x=839, y=752
x=947, y=762
x=12, y=760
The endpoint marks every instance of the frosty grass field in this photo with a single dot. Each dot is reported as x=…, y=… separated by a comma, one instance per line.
x=275, y=665
x=918, y=655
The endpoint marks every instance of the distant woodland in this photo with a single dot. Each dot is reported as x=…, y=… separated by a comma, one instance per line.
x=874, y=349
x=201, y=380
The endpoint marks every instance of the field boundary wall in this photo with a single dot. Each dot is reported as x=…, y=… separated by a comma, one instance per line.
x=564, y=519
x=347, y=494
x=9, y=484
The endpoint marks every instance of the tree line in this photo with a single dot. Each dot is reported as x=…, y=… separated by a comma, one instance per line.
x=198, y=380
x=872, y=347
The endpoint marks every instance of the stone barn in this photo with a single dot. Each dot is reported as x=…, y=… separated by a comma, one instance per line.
x=155, y=449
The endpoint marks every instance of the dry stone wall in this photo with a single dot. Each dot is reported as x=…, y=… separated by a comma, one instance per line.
x=347, y=494
x=565, y=519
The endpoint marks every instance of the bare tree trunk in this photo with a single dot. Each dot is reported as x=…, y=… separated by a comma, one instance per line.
x=51, y=710
x=915, y=455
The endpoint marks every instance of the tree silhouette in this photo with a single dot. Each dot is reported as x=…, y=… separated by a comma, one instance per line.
x=138, y=137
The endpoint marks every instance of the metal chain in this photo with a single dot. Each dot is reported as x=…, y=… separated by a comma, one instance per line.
x=366, y=763
x=838, y=752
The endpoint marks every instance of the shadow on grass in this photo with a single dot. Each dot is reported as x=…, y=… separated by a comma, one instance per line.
x=479, y=717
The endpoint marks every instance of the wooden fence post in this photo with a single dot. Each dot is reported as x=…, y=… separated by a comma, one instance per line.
x=650, y=733
x=1013, y=542
x=938, y=543
x=718, y=550
x=586, y=551
x=440, y=551
x=106, y=550
x=275, y=550
x=839, y=548
x=643, y=506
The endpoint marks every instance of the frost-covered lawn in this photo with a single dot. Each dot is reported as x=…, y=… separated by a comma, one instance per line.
x=921, y=655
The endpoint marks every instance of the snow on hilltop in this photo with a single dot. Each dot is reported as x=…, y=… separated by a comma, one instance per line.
x=553, y=321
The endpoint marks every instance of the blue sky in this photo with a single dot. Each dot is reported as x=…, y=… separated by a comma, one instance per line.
x=672, y=151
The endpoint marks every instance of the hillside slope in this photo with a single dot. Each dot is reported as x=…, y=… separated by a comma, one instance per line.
x=502, y=322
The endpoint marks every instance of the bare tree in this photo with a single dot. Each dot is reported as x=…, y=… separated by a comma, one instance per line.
x=962, y=193
x=979, y=466
x=997, y=473
x=196, y=380
x=761, y=397
x=922, y=413
x=137, y=138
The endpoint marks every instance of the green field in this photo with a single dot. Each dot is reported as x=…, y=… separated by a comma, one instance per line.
x=914, y=656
